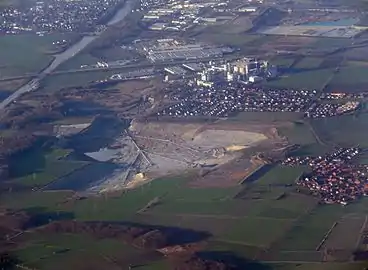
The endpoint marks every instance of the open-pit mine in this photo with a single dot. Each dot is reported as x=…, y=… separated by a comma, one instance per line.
x=147, y=150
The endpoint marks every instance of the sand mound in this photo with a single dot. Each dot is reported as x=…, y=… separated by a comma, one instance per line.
x=209, y=139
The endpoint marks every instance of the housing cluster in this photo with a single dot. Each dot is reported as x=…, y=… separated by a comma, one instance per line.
x=340, y=95
x=334, y=178
x=222, y=88
x=176, y=15
x=222, y=100
x=56, y=16
x=321, y=110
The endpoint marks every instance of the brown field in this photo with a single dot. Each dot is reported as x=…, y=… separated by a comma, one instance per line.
x=289, y=43
x=227, y=175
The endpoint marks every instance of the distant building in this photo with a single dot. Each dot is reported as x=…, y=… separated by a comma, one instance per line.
x=175, y=70
x=158, y=26
x=193, y=67
x=248, y=9
x=209, y=20
x=150, y=17
x=254, y=79
x=203, y=83
x=272, y=72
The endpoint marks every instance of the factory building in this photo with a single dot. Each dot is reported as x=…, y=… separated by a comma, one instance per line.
x=193, y=67
x=175, y=71
x=248, y=70
x=158, y=26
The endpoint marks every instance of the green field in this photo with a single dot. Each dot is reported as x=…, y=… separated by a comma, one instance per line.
x=247, y=231
x=74, y=120
x=38, y=167
x=78, y=60
x=298, y=133
x=315, y=79
x=265, y=218
x=98, y=55
x=321, y=266
x=280, y=175
x=22, y=54
x=351, y=78
x=330, y=43
x=58, y=81
x=293, y=224
x=218, y=34
x=308, y=63
x=65, y=251
x=42, y=200
x=283, y=62
x=331, y=130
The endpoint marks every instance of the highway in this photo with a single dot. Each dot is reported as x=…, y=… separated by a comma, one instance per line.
x=64, y=56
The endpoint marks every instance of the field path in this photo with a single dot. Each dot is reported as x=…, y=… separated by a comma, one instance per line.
x=361, y=232
x=316, y=136
x=212, y=216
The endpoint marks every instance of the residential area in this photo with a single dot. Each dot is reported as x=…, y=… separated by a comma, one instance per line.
x=334, y=177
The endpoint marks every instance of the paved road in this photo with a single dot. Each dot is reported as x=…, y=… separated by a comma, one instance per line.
x=64, y=56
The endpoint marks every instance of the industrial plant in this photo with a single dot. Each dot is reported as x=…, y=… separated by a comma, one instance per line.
x=164, y=50
x=246, y=70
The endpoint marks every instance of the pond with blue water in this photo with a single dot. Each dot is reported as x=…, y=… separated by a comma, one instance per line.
x=342, y=22
x=4, y=94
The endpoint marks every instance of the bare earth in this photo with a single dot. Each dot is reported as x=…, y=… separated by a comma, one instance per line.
x=153, y=149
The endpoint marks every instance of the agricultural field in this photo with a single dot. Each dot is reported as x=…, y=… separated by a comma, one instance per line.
x=75, y=62
x=336, y=240
x=37, y=168
x=331, y=130
x=24, y=54
x=330, y=43
x=115, y=53
x=351, y=78
x=302, y=134
x=308, y=63
x=58, y=81
x=91, y=57
x=357, y=54
x=65, y=251
x=298, y=133
x=223, y=38
x=263, y=213
x=289, y=43
x=283, y=62
x=313, y=79
x=314, y=224
x=264, y=117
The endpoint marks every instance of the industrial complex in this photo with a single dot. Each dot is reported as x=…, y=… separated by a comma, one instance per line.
x=246, y=70
x=164, y=50
x=314, y=31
